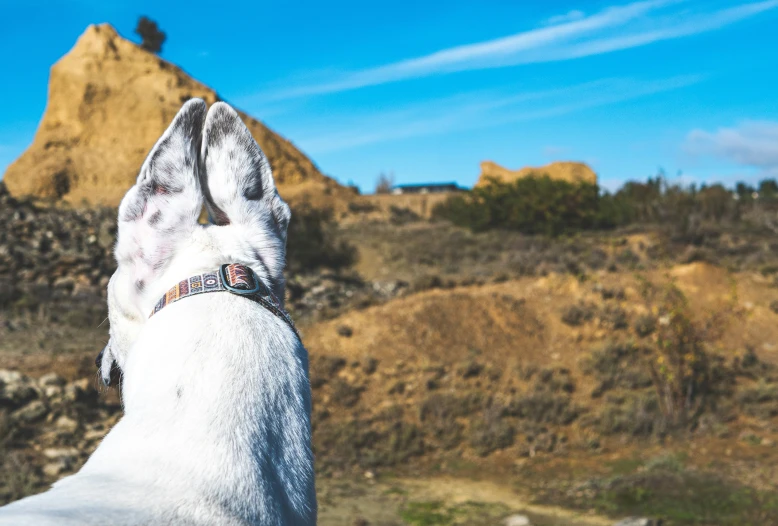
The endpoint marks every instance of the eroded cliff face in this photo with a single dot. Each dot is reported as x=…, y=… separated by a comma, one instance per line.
x=573, y=172
x=108, y=102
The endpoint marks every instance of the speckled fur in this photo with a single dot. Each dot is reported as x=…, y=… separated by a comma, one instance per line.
x=216, y=394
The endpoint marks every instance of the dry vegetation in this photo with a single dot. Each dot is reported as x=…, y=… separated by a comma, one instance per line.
x=629, y=372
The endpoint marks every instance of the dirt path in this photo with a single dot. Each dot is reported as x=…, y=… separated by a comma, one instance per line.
x=434, y=501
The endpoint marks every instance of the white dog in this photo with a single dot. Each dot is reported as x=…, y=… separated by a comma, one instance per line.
x=216, y=426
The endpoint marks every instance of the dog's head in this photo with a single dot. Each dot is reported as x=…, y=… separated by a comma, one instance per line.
x=211, y=159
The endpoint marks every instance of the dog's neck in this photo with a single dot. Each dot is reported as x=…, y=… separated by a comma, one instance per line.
x=205, y=252
x=202, y=386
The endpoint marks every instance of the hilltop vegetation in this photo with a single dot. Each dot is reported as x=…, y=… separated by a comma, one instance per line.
x=539, y=204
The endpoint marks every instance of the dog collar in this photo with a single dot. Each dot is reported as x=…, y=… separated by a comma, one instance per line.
x=232, y=277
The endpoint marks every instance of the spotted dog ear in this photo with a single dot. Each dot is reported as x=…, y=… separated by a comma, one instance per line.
x=162, y=209
x=236, y=179
x=106, y=366
x=239, y=190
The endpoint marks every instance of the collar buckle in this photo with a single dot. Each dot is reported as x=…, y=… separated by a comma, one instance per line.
x=242, y=292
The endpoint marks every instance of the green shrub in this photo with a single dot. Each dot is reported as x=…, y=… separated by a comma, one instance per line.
x=538, y=204
x=533, y=205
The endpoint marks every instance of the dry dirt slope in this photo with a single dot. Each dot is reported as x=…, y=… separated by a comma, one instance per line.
x=521, y=319
x=108, y=102
x=499, y=382
x=496, y=373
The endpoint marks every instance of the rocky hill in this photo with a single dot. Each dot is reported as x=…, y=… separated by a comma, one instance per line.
x=562, y=170
x=544, y=382
x=109, y=101
x=521, y=360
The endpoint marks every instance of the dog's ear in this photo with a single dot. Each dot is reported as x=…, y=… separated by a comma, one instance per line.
x=162, y=209
x=236, y=178
x=239, y=191
x=106, y=364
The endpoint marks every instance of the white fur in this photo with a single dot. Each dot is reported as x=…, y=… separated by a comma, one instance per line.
x=216, y=396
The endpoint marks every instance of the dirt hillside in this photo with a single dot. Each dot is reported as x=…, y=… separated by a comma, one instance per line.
x=521, y=322
x=561, y=170
x=108, y=102
x=530, y=364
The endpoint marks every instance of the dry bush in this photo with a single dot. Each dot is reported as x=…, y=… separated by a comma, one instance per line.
x=312, y=244
x=324, y=368
x=345, y=394
x=575, y=315
x=439, y=413
x=618, y=366
x=491, y=433
x=548, y=400
x=385, y=183
x=760, y=400
x=679, y=363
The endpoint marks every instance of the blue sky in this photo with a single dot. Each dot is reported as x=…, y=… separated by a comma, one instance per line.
x=429, y=90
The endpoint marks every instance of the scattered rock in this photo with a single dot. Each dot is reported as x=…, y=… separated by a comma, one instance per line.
x=95, y=434
x=65, y=283
x=64, y=454
x=30, y=413
x=345, y=331
x=53, y=391
x=55, y=469
x=49, y=249
x=369, y=365
x=316, y=297
x=62, y=460
x=16, y=389
x=66, y=423
x=638, y=521
x=517, y=520
x=81, y=391
x=51, y=379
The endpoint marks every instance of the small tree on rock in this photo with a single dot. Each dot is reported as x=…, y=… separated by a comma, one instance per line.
x=151, y=37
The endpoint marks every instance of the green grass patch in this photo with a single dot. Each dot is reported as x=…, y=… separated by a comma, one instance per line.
x=680, y=497
x=436, y=513
x=624, y=466
x=426, y=514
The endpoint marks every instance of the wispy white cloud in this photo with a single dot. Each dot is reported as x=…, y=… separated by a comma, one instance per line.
x=667, y=28
x=751, y=143
x=574, y=35
x=475, y=111
x=481, y=54
x=570, y=16
x=553, y=151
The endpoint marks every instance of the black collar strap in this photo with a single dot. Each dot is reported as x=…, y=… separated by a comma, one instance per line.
x=232, y=277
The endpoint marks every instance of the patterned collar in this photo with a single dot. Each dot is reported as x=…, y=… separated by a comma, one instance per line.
x=232, y=277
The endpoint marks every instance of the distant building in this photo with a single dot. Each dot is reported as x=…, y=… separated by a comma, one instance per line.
x=426, y=188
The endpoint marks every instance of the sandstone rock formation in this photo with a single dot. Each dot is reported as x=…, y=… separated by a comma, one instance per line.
x=108, y=102
x=562, y=170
